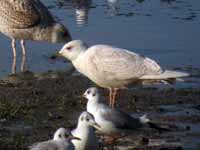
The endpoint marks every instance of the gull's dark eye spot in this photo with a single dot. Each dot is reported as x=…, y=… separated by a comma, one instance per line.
x=87, y=119
x=81, y=118
x=69, y=48
x=88, y=92
x=93, y=94
x=59, y=135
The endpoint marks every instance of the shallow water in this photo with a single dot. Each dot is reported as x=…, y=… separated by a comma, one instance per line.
x=165, y=30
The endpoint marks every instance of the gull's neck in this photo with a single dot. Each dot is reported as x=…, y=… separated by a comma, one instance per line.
x=84, y=130
x=56, y=139
x=82, y=125
x=92, y=105
x=78, y=62
x=78, y=55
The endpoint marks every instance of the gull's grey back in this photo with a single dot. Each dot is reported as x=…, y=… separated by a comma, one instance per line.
x=122, y=120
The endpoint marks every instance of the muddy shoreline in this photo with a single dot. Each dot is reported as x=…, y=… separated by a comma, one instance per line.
x=33, y=106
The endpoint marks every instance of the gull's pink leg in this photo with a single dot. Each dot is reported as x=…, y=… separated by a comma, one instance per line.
x=114, y=96
x=110, y=96
x=112, y=140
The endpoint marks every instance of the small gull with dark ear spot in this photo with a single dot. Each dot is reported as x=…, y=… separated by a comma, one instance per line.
x=114, y=121
x=85, y=130
x=61, y=141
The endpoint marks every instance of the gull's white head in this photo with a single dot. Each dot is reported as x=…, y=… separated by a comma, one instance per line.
x=87, y=119
x=72, y=49
x=63, y=134
x=92, y=94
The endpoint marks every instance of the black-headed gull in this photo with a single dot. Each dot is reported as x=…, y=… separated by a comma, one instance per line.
x=114, y=121
x=61, y=141
x=85, y=130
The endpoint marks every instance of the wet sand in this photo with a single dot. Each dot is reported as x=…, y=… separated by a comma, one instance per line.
x=33, y=106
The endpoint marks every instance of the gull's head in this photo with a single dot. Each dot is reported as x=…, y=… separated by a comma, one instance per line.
x=91, y=94
x=87, y=119
x=59, y=33
x=72, y=49
x=63, y=134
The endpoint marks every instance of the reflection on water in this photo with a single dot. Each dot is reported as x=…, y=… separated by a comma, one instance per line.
x=81, y=8
x=112, y=5
x=24, y=66
x=167, y=1
x=14, y=65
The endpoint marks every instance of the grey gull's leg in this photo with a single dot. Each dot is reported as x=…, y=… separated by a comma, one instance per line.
x=14, y=56
x=14, y=47
x=23, y=47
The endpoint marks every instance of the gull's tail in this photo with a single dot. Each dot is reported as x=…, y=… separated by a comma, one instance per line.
x=167, y=74
x=146, y=121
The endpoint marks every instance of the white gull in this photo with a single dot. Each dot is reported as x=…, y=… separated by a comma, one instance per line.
x=114, y=68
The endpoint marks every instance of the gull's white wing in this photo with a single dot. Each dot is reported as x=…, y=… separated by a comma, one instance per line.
x=119, y=64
